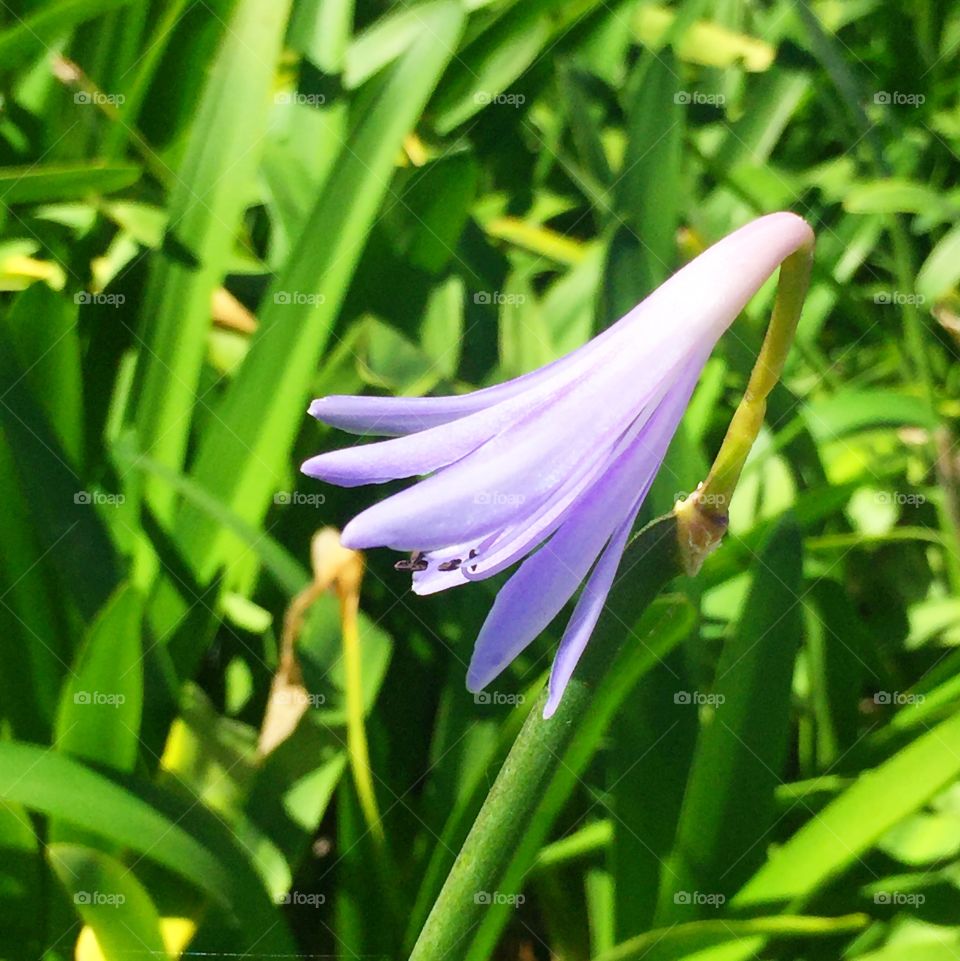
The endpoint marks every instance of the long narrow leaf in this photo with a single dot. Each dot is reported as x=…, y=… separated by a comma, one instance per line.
x=246, y=448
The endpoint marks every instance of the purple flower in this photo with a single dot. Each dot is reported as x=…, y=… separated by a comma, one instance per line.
x=550, y=468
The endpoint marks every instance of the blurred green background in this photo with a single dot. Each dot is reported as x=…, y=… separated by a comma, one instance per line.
x=211, y=212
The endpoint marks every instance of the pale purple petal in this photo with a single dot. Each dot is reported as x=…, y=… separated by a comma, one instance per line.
x=398, y=416
x=432, y=580
x=700, y=301
x=586, y=614
x=422, y=452
x=734, y=269
x=429, y=450
x=508, y=546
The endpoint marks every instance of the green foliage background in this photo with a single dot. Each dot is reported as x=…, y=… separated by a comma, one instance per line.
x=213, y=210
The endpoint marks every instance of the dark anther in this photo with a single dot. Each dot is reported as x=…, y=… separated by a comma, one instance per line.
x=417, y=562
x=473, y=554
x=450, y=565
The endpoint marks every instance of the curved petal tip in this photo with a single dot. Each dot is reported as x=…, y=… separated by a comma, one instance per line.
x=788, y=222
x=354, y=537
x=480, y=675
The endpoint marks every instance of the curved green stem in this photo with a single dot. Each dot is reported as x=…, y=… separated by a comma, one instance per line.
x=703, y=516
x=523, y=798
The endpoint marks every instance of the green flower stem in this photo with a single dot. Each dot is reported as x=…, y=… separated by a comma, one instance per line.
x=544, y=747
x=500, y=825
x=703, y=515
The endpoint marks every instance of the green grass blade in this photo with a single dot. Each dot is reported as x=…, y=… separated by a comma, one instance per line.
x=289, y=574
x=99, y=716
x=213, y=185
x=651, y=189
x=848, y=827
x=61, y=787
x=46, y=184
x=110, y=899
x=174, y=832
x=682, y=940
x=660, y=628
x=246, y=448
x=35, y=650
x=500, y=55
x=34, y=35
x=43, y=324
x=72, y=538
x=729, y=806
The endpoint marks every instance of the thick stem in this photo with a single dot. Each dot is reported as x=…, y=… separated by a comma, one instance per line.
x=500, y=825
x=541, y=747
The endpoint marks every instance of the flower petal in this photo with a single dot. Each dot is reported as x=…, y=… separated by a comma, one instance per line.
x=422, y=452
x=429, y=450
x=687, y=312
x=398, y=416
x=505, y=548
x=586, y=614
x=700, y=301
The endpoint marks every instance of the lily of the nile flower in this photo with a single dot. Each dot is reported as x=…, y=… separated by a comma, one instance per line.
x=550, y=468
